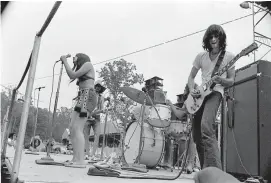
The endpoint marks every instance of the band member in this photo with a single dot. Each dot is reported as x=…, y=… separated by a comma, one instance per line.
x=94, y=121
x=12, y=140
x=181, y=114
x=83, y=70
x=214, y=43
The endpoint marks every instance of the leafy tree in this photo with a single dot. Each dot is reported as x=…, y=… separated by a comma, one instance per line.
x=62, y=119
x=118, y=74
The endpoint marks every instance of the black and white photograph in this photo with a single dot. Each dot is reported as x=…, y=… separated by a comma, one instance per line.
x=135, y=90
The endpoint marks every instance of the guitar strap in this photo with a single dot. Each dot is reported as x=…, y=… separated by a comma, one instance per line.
x=217, y=65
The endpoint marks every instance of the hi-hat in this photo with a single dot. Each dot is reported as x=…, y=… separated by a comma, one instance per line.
x=136, y=95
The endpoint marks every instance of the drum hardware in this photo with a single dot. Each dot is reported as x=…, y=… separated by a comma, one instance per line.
x=139, y=97
x=141, y=130
x=136, y=95
x=144, y=89
x=144, y=154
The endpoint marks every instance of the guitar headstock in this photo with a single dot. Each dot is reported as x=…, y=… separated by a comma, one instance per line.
x=249, y=49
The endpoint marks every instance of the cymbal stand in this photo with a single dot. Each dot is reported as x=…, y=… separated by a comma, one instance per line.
x=122, y=160
x=105, y=123
x=141, y=118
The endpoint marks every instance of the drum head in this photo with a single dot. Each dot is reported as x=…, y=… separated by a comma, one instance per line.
x=131, y=142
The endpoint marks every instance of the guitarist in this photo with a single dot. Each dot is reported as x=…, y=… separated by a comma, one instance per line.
x=94, y=121
x=214, y=44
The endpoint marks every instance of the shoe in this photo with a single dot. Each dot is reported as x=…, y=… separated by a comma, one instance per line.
x=196, y=169
x=189, y=169
x=94, y=158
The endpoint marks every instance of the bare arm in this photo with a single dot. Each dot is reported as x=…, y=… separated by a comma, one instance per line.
x=76, y=74
x=178, y=112
x=101, y=108
x=230, y=78
x=191, y=78
x=225, y=81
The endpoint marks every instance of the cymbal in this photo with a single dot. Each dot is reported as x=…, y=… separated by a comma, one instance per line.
x=136, y=95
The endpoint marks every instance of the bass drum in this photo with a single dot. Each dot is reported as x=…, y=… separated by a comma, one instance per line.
x=153, y=143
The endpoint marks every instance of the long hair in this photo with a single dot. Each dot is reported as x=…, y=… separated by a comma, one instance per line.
x=81, y=60
x=11, y=135
x=214, y=30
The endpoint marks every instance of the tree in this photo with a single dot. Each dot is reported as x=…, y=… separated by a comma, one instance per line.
x=118, y=74
x=61, y=121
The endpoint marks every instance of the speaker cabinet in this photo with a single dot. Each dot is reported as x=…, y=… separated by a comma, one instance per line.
x=248, y=137
x=158, y=96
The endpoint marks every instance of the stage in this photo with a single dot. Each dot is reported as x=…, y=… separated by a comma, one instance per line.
x=32, y=172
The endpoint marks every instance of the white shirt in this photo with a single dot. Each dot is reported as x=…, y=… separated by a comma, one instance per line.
x=203, y=62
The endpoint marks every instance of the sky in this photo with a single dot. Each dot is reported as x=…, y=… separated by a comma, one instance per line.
x=105, y=30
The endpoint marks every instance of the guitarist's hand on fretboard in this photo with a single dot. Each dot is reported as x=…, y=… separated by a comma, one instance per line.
x=217, y=79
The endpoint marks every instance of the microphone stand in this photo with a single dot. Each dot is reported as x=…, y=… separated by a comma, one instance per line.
x=105, y=122
x=48, y=159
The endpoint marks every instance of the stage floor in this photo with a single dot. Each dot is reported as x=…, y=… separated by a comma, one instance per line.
x=34, y=173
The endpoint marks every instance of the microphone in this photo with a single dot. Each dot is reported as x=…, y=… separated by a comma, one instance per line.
x=67, y=56
x=40, y=87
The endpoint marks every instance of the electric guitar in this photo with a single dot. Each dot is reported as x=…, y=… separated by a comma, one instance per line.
x=193, y=104
x=95, y=113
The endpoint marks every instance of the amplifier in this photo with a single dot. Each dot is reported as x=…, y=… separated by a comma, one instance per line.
x=158, y=96
x=248, y=137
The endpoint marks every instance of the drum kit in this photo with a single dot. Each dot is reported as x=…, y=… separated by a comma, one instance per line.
x=145, y=138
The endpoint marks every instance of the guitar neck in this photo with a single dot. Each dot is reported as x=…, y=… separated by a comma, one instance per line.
x=226, y=67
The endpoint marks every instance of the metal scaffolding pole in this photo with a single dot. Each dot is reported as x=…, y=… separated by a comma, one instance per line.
x=21, y=134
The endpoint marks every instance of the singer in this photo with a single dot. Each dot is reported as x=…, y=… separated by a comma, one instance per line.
x=84, y=72
x=94, y=121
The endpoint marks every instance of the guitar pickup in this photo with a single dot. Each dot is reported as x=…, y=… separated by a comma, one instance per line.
x=204, y=87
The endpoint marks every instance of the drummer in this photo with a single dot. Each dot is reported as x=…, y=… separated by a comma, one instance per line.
x=179, y=112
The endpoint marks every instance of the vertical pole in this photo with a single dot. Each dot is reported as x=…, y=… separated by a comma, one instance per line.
x=105, y=122
x=36, y=120
x=219, y=129
x=141, y=130
x=253, y=22
x=122, y=136
x=224, y=132
x=23, y=123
